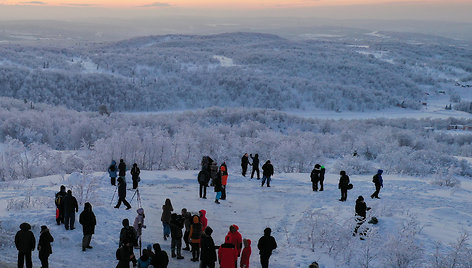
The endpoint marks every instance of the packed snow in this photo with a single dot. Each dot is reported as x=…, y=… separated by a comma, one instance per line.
x=289, y=207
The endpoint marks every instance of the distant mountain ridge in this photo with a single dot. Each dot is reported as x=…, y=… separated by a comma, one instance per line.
x=156, y=73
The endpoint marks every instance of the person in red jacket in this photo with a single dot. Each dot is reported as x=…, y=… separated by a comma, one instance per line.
x=246, y=253
x=235, y=238
x=224, y=180
x=203, y=219
x=227, y=254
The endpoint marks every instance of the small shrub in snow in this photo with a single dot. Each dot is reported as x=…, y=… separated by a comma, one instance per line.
x=447, y=178
x=83, y=186
x=457, y=255
x=354, y=165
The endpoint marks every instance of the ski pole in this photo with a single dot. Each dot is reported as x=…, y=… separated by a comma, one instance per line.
x=111, y=202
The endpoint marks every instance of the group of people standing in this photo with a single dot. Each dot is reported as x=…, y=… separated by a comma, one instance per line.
x=216, y=176
x=267, y=168
x=121, y=168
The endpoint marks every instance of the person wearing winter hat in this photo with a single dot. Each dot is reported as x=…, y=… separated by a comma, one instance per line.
x=378, y=181
x=227, y=254
x=195, y=236
x=246, y=255
x=208, y=253
x=361, y=212
x=266, y=245
x=25, y=243
x=139, y=222
x=44, y=246
x=88, y=221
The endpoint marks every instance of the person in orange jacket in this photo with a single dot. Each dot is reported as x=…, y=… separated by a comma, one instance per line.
x=246, y=253
x=227, y=254
x=224, y=180
x=235, y=238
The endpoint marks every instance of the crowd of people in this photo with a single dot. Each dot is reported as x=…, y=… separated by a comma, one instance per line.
x=192, y=229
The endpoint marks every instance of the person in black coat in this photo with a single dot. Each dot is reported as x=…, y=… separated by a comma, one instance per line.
x=266, y=245
x=267, y=172
x=70, y=208
x=122, y=193
x=129, y=238
x=315, y=177
x=203, y=180
x=378, y=181
x=218, y=186
x=176, y=226
x=160, y=259
x=343, y=185
x=322, y=177
x=88, y=221
x=122, y=168
x=44, y=246
x=125, y=254
x=135, y=175
x=25, y=243
x=244, y=163
x=361, y=212
x=208, y=253
x=60, y=204
x=255, y=165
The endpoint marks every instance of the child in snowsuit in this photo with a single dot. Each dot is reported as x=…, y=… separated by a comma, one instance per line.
x=246, y=255
x=139, y=222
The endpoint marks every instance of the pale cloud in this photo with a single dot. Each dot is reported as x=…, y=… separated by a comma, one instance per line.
x=34, y=3
x=157, y=4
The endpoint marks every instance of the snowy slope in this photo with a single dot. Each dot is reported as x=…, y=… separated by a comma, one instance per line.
x=286, y=207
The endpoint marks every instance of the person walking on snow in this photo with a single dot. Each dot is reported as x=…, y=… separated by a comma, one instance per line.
x=44, y=246
x=122, y=193
x=88, y=221
x=266, y=245
x=70, y=208
x=378, y=181
x=244, y=163
x=25, y=243
x=224, y=180
x=165, y=217
x=135, y=175
x=343, y=185
x=246, y=255
x=267, y=172
x=361, y=212
x=255, y=165
x=112, y=169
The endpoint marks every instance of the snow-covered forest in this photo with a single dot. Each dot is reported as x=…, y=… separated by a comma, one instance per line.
x=165, y=101
x=358, y=73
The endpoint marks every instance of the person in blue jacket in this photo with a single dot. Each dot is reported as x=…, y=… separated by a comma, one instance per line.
x=112, y=172
x=378, y=181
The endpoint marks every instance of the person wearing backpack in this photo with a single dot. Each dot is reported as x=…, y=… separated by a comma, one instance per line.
x=343, y=185
x=255, y=165
x=112, y=172
x=60, y=205
x=122, y=193
x=70, y=208
x=128, y=238
x=378, y=181
x=135, y=175
x=203, y=180
x=44, y=246
x=88, y=221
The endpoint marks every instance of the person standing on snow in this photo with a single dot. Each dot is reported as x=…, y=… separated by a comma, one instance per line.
x=128, y=239
x=122, y=193
x=122, y=168
x=246, y=255
x=138, y=224
x=195, y=236
x=203, y=219
x=112, y=172
x=236, y=239
x=203, y=180
x=135, y=175
x=378, y=181
x=266, y=245
x=244, y=163
x=255, y=165
x=88, y=221
x=343, y=185
x=224, y=180
x=227, y=254
x=70, y=208
x=187, y=222
x=322, y=177
x=59, y=200
x=176, y=226
x=267, y=172
x=208, y=253
x=25, y=243
x=165, y=217
x=315, y=177
x=44, y=246
x=217, y=186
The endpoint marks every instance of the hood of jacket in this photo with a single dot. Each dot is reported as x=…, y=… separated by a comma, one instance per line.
x=380, y=171
x=140, y=211
x=267, y=231
x=208, y=231
x=25, y=226
x=87, y=206
x=113, y=162
x=203, y=212
x=248, y=242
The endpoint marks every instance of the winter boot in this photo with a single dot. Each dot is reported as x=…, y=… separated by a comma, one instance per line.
x=173, y=254
x=216, y=201
x=179, y=254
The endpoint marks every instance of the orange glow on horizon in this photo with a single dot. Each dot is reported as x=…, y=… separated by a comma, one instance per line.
x=244, y=4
